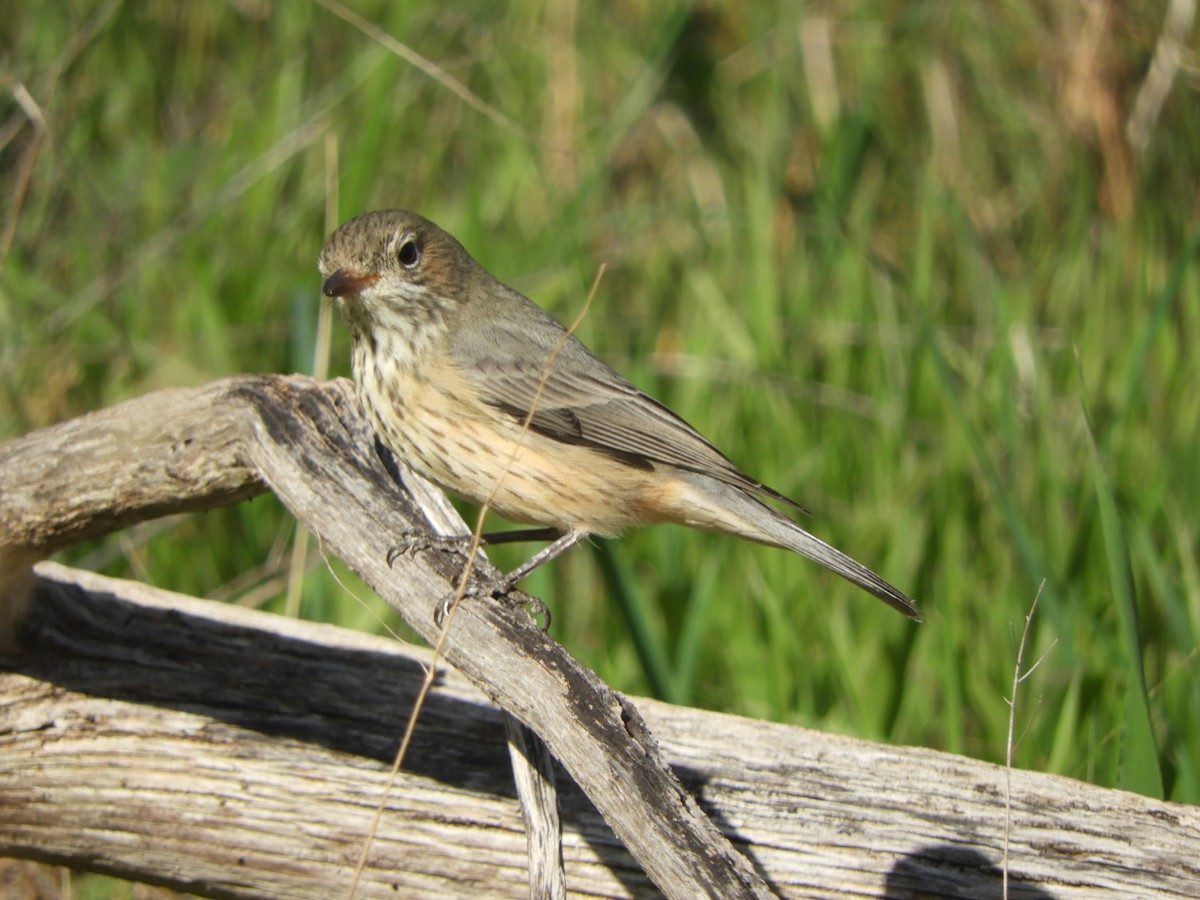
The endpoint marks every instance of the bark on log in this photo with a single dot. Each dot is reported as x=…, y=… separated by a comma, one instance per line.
x=231, y=753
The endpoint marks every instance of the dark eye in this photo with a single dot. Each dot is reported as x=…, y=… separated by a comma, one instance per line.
x=408, y=253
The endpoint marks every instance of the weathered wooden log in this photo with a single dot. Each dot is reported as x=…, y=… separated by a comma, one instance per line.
x=233, y=753
x=236, y=754
x=306, y=441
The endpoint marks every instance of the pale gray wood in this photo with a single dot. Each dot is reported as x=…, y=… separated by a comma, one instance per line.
x=233, y=753
x=537, y=789
x=170, y=451
x=307, y=442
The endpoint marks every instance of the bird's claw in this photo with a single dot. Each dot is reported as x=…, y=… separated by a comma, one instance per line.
x=411, y=542
x=535, y=608
x=442, y=611
x=500, y=588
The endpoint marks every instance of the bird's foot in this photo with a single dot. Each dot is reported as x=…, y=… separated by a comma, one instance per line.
x=500, y=588
x=535, y=608
x=411, y=542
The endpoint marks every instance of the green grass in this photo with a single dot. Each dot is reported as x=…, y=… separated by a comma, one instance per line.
x=953, y=342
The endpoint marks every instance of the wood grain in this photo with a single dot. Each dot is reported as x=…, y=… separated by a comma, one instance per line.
x=232, y=753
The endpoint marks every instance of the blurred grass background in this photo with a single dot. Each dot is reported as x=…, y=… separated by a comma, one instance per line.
x=927, y=267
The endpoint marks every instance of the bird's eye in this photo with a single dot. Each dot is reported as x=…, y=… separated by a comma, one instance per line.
x=408, y=253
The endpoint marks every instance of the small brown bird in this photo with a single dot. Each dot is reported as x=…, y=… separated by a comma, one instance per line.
x=448, y=363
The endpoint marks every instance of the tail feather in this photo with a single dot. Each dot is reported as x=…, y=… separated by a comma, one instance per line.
x=791, y=536
x=720, y=507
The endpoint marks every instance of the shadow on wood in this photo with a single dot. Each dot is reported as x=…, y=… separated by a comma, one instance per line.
x=160, y=717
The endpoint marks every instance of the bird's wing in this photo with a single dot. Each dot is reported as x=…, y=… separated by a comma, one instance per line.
x=584, y=402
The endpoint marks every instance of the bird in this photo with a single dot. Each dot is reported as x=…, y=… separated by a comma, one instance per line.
x=492, y=398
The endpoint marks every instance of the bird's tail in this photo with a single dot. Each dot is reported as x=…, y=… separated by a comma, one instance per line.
x=721, y=507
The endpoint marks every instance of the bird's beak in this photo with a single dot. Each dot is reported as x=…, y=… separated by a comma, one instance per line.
x=345, y=281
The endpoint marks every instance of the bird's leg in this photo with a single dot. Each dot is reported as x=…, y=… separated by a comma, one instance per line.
x=551, y=551
x=520, y=535
x=501, y=586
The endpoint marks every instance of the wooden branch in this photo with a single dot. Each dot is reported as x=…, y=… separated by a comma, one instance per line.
x=168, y=452
x=308, y=443
x=537, y=790
x=233, y=753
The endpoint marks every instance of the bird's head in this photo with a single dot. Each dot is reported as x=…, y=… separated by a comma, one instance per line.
x=392, y=268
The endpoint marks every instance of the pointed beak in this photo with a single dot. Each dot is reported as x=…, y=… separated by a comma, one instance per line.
x=345, y=281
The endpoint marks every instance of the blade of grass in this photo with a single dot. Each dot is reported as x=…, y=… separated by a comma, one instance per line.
x=1140, y=770
x=651, y=651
